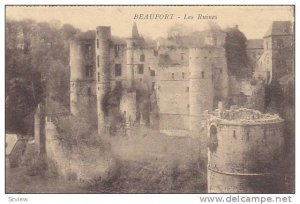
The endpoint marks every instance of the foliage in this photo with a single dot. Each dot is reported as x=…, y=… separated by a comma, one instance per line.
x=36, y=66
x=35, y=167
x=73, y=131
x=112, y=99
x=237, y=59
x=273, y=97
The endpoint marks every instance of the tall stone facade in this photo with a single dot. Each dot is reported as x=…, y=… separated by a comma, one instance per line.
x=82, y=76
x=103, y=51
x=201, y=89
x=188, y=77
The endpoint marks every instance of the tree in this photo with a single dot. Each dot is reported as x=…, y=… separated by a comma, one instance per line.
x=35, y=52
x=274, y=97
x=237, y=59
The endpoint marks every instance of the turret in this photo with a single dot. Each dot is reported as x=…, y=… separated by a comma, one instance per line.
x=82, y=73
x=128, y=101
x=201, y=90
x=76, y=73
x=135, y=32
x=134, y=43
x=130, y=63
x=103, y=42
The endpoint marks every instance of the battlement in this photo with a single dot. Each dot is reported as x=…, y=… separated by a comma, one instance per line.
x=244, y=116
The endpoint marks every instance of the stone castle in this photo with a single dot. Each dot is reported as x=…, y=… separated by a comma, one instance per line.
x=190, y=82
x=187, y=75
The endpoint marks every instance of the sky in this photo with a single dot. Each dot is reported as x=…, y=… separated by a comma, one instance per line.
x=253, y=21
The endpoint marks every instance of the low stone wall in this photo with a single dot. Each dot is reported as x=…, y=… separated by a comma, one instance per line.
x=72, y=164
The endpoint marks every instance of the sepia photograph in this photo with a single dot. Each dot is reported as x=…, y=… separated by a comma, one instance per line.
x=149, y=99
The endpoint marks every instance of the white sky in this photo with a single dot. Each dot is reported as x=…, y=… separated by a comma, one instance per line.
x=252, y=20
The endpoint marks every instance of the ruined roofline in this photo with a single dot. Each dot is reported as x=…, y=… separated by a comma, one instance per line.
x=249, y=122
x=244, y=117
x=84, y=36
x=266, y=36
x=102, y=27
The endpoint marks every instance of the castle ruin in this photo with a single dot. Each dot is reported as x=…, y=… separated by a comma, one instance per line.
x=187, y=77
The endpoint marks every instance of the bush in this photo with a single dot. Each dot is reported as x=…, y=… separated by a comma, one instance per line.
x=35, y=168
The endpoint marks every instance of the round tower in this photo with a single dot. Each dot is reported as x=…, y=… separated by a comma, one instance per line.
x=244, y=155
x=76, y=74
x=130, y=62
x=134, y=47
x=103, y=42
x=200, y=88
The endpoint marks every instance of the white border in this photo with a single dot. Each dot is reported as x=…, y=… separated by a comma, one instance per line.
x=127, y=198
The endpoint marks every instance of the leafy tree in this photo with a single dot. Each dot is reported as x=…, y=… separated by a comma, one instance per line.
x=237, y=59
x=35, y=52
x=273, y=97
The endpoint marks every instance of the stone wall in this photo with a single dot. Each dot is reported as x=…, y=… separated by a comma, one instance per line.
x=103, y=46
x=82, y=77
x=70, y=163
x=248, y=93
x=244, y=146
x=173, y=100
x=201, y=90
x=128, y=106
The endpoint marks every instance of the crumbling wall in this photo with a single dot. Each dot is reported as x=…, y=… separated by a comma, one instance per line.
x=82, y=77
x=128, y=106
x=248, y=93
x=69, y=163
